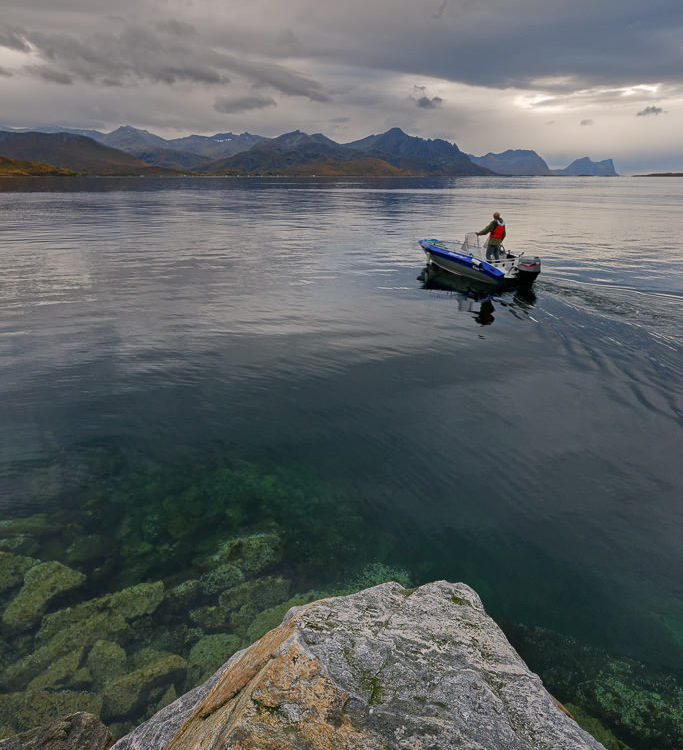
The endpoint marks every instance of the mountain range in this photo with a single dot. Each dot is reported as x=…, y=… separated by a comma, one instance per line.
x=129, y=150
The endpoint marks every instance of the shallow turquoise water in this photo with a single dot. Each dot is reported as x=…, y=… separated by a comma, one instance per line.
x=223, y=354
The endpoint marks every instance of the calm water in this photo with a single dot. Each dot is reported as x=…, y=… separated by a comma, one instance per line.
x=171, y=328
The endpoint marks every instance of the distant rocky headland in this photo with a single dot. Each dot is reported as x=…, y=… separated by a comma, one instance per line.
x=131, y=151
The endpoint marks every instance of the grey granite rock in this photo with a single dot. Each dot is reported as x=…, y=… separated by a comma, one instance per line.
x=422, y=669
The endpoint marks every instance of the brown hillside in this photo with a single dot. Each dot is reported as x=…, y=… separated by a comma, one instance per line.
x=20, y=168
x=74, y=152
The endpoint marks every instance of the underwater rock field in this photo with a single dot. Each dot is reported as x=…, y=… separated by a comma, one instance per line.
x=139, y=581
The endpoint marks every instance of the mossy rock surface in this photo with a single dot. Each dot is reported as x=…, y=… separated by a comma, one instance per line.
x=126, y=696
x=251, y=553
x=13, y=568
x=212, y=651
x=60, y=674
x=55, y=622
x=39, y=524
x=591, y=725
x=102, y=625
x=219, y=579
x=259, y=594
x=86, y=548
x=137, y=601
x=42, y=583
x=645, y=711
x=183, y=596
x=106, y=660
x=210, y=619
x=33, y=708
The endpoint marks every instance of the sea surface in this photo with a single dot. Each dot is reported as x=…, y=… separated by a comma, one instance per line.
x=158, y=332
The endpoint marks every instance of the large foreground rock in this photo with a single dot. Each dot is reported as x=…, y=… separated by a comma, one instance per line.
x=422, y=669
x=79, y=731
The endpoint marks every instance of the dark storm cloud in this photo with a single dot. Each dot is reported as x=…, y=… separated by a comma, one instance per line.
x=652, y=110
x=164, y=53
x=5, y=73
x=227, y=105
x=501, y=43
x=50, y=74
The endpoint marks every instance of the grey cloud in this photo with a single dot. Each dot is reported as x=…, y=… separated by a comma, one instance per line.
x=13, y=39
x=50, y=74
x=424, y=102
x=651, y=110
x=228, y=105
x=440, y=10
x=136, y=55
x=586, y=122
x=605, y=43
x=5, y=73
x=177, y=28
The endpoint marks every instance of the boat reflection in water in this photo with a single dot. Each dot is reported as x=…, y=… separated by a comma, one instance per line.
x=476, y=298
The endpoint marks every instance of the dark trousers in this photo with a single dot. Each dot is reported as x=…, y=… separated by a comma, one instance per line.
x=494, y=252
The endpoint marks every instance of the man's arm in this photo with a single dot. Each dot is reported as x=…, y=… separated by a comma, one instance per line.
x=489, y=228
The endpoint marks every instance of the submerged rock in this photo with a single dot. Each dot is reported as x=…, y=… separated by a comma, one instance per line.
x=223, y=577
x=79, y=731
x=127, y=695
x=102, y=625
x=41, y=584
x=59, y=674
x=251, y=553
x=106, y=660
x=388, y=667
x=32, y=708
x=12, y=569
x=210, y=652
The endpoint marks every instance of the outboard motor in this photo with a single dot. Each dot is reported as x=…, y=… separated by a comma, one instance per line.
x=529, y=268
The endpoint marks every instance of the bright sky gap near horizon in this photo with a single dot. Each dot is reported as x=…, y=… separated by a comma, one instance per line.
x=602, y=79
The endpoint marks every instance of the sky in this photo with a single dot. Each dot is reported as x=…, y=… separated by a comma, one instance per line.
x=597, y=78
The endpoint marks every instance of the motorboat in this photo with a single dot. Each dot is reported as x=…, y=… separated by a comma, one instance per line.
x=464, y=259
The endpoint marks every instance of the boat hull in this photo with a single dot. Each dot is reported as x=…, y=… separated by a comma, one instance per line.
x=451, y=259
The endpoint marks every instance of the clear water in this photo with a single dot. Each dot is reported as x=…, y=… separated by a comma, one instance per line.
x=154, y=333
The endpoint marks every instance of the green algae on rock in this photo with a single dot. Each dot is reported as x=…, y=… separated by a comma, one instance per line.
x=221, y=578
x=642, y=708
x=251, y=553
x=77, y=731
x=32, y=708
x=106, y=660
x=125, y=696
x=591, y=725
x=101, y=625
x=211, y=652
x=60, y=674
x=12, y=569
x=42, y=583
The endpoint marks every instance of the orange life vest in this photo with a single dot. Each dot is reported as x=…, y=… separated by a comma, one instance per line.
x=498, y=232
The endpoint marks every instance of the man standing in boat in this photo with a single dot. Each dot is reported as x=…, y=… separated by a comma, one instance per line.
x=496, y=230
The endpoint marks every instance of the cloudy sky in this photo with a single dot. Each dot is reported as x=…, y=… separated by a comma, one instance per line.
x=602, y=78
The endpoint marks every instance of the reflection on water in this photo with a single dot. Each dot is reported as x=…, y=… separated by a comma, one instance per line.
x=475, y=298
x=183, y=362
